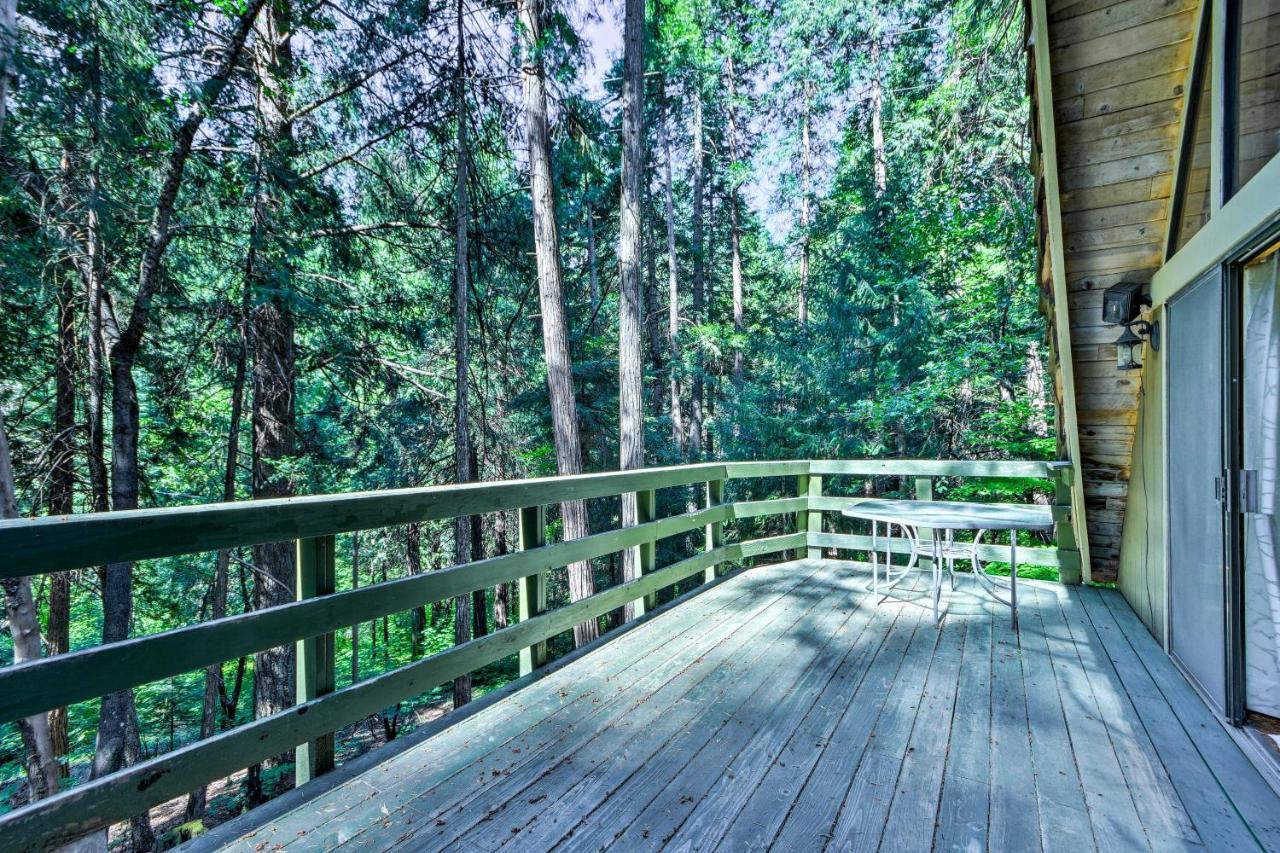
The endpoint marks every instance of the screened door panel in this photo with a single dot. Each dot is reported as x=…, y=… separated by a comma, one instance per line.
x=1197, y=630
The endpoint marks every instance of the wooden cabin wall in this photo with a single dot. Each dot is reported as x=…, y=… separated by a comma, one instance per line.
x=1142, y=546
x=1119, y=69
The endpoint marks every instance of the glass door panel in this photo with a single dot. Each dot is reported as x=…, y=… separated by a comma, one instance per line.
x=1261, y=428
x=1197, y=602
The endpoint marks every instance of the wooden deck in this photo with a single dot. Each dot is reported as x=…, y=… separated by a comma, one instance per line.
x=783, y=708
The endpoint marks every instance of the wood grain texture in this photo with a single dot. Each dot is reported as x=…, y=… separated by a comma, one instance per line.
x=1119, y=70
x=65, y=679
x=126, y=792
x=786, y=708
x=55, y=543
x=311, y=621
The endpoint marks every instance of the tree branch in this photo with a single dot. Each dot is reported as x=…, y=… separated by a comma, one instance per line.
x=159, y=233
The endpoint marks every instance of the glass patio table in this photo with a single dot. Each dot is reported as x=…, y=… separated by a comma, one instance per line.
x=942, y=519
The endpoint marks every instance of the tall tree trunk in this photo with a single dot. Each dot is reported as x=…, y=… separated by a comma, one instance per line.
x=877, y=124
x=462, y=454
x=656, y=350
x=501, y=592
x=1037, y=392
x=8, y=44
x=418, y=614
x=735, y=240
x=593, y=264
x=673, y=293
x=118, y=742
x=355, y=584
x=805, y=166
x=699, y=273
x=95, y=291
x=62, y=478
x=479, y=597
x=555, y=333
x=39, y=758
x=95, y=399
x=268, y=275
x=630, y=312
x=213, y=686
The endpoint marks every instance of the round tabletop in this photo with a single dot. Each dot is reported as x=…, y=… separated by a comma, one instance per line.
x=954, y=515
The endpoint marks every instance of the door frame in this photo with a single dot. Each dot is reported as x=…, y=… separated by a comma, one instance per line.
x=1234, y=516
x=1233, y=337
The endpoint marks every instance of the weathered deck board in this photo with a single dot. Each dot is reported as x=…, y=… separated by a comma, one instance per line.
x=966, y=802
x=1111, y=809
x=1064, y=825
x=1014, y=823
x=785, y=708
x=767, y=808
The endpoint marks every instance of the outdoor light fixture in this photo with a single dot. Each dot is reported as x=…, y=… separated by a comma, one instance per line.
x=1121, y=305
x=1129, y=344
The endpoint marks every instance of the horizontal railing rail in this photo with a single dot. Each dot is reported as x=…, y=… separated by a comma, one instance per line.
x=63, y=680
x=36, y=546
x=57, y=543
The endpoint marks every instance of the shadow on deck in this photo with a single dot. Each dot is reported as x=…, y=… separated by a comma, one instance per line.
x=784, y=708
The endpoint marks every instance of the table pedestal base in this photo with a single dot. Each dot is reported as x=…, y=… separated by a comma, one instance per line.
x=942, y=547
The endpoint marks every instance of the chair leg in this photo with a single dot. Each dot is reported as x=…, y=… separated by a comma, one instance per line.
x=937, y=577
x=1013, y=577
x=951, y=559
x=875, y=561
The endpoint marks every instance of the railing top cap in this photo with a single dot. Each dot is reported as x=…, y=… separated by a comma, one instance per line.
x=68, y=542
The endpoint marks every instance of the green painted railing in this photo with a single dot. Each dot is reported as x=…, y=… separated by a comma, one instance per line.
x=38, y=546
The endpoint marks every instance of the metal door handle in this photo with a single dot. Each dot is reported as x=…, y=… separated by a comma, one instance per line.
x=1249, y=490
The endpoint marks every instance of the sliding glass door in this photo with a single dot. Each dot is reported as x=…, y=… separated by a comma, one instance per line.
x=1197, y=564
x=1261, y=496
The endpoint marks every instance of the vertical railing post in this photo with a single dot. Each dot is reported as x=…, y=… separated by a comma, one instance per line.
x=815, y=515
x=924, y=492
x=802, y=517
x=533, y=588
x=646, y=511
x=315, y=665
x=1064, y=533
x=715, y=530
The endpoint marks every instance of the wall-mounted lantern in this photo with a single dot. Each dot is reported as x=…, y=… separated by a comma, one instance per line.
x=1129, y=344
x=1121, y=305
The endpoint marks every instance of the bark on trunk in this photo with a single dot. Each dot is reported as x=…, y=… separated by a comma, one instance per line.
x=593, y=271
x=657, y=347
x=480, y=597
x=417, y=615
x=673, y=296
x=118, y=742
x=805, y=165
x=62, y=477
x=630, y=312
x=462, y=455
x=699, y=274
x=8, y=40
x=735, y=241
x=501, y=592
x=271, y=338
x=95, y=387
x=881, y=167
x=355, y=584
x=555, y=334
x=214, y=689
x=39, y=758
